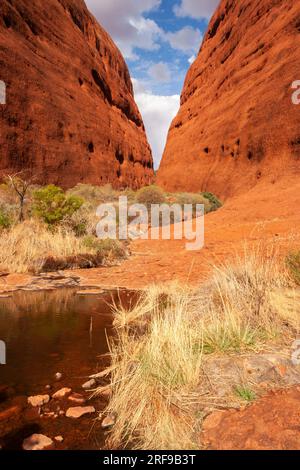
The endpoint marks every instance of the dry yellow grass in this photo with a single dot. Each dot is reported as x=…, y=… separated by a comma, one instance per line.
x=30, y=241
x=160, y=344
x=26, y=246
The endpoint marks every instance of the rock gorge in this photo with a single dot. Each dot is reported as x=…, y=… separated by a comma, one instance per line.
x=70, y=115
x=237, y=125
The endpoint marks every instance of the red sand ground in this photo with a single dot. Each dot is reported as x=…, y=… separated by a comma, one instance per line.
x=266, y=215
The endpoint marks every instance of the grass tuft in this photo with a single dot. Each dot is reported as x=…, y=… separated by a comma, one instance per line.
x=293, y=263
x=245, y=393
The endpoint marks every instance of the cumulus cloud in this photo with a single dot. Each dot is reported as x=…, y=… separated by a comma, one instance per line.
x=124, y=21
x=196, y=8
x=160, y=72
x=158, y=111
x=186, y=40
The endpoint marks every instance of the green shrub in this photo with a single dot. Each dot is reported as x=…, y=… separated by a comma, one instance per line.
x=52, y=205
x=215, y=203
x=80, y=228
x=5, y=220
x=245, y=393
x=293, y=263
x=150, y=195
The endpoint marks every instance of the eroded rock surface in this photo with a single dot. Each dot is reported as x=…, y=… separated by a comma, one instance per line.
x=70, y=115
x=270, y=424
x=237, y=125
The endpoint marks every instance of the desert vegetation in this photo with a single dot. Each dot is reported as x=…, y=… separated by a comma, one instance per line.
x=47, y=228
x=160, y=388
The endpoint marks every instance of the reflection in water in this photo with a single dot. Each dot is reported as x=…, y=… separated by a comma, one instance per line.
x=46, y=333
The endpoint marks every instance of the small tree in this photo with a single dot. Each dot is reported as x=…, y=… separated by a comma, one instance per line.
x=20, y=187
x=52, y=205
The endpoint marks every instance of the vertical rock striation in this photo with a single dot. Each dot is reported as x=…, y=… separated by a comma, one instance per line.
x=237, y=124
x=70, y=115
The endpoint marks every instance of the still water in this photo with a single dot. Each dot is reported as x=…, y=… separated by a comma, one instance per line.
x=46, y=333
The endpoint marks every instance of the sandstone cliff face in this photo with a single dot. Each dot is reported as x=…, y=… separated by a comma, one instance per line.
x=237, y=124
x=70, y=115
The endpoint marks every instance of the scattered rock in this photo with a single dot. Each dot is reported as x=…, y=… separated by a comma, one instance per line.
x=90, y=384
x=58, y=376
x=265, y=370
x=61, y=413
x=38, y=400
x=59, y=439
x=62, y=393
x=50, y=414
x=48, y=387
x=37, y=442
x=79, y=411
x=77, y=398
x=109, y=421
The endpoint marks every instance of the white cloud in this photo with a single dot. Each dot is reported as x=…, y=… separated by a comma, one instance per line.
x=160, y=72
x=187, y=39
x=124, y=21
x=192, y=59
x=196, y=8
x=158, y=112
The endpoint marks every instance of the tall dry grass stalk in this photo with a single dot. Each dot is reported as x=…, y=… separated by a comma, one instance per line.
x=156, y=363
x=161, y=343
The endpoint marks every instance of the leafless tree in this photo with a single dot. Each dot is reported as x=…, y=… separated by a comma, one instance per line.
x=20, y=184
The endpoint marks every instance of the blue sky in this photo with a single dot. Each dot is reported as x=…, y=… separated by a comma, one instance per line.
x=159, y=40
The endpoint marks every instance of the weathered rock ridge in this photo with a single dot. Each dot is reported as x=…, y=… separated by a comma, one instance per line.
x=237, y=125
x=70, y=115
